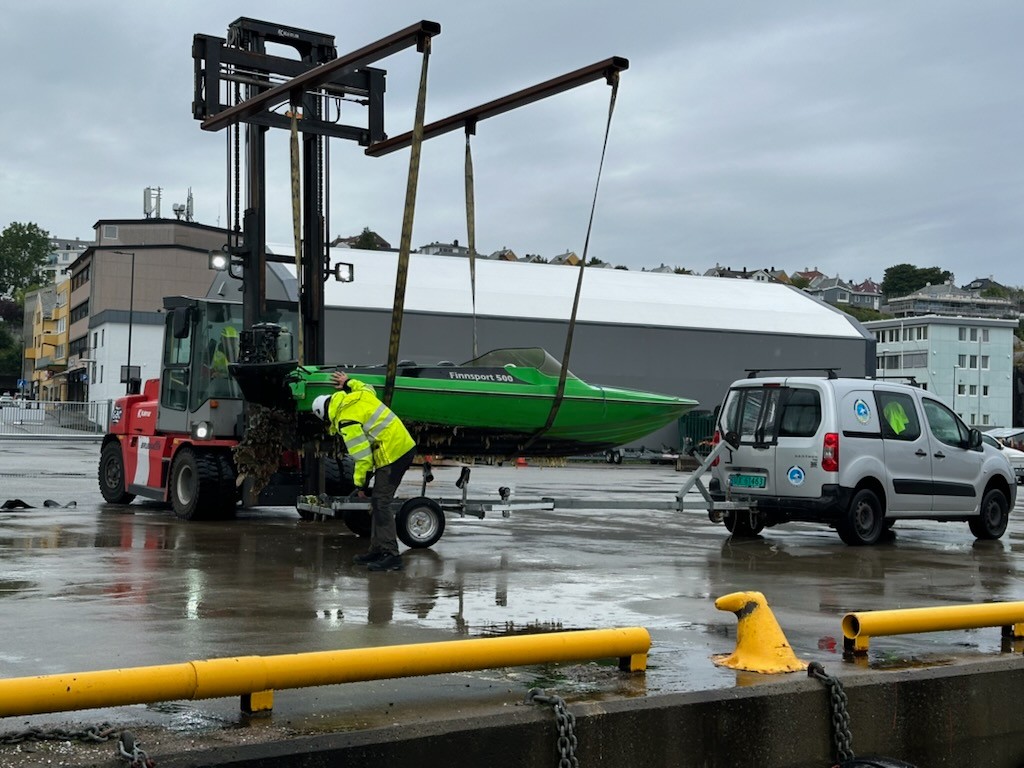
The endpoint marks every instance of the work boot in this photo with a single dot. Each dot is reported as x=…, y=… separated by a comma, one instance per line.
x=369, y=557
x=386, y=563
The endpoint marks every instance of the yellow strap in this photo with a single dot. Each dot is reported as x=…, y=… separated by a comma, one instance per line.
x=614, y=82
x=471, y=230
x=297, y=225
x=407, y=219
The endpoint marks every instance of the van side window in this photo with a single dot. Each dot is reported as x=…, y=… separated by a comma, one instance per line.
x=899, y=417
x=801, y=414
x=944, y=425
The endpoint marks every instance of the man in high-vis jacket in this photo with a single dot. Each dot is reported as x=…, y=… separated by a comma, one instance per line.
x=382, y=447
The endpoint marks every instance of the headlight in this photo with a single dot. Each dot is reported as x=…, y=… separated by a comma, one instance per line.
x=202, y=431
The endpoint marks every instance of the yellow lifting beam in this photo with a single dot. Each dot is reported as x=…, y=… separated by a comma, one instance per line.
x=254, y=678
x=860, y=627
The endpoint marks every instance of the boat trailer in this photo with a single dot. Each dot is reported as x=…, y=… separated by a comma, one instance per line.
x=420, y=520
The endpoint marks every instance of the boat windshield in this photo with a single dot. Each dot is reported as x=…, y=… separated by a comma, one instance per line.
x=520, y=357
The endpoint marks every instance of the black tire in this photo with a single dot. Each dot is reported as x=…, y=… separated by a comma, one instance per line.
x=358, y=521
x=743, y=524
x=420, y=522
x=338, y=476
x=616, y=457
x=995, y=514
x=111, y=475
x=228, y=495
x=864, y=521
x=195, y=484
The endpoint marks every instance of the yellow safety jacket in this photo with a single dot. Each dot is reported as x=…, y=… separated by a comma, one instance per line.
x=374, y=436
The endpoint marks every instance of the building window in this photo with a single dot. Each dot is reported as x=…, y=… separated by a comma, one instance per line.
x=984, y=418
x=974, y=362
x=103, y=336
x=80, y=312
x=984, y=362
x=984, y=334
x=961, y=361
x=972, y=390
x=963, y=334
x=95, y=336
x=984, y=390
x=110, y=231
x=974, y=334
x=961, y=389
x=101, y=374
x=915, y=360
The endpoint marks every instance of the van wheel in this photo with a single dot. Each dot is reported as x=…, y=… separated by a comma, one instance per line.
x=995, y=514
x=864, y=520
x=743, y=523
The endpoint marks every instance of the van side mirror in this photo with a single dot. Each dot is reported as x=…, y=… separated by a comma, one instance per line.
x=974, y=439
x=181, y=322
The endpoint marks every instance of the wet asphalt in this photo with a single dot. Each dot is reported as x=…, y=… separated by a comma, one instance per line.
x=96, y=586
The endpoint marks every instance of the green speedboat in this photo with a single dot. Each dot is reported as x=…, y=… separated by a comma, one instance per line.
x=498, y=404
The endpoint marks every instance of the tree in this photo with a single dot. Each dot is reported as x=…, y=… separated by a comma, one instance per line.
x=10, y=353
x=799, y=282
x=23, y=252
x=366, y=240
x=903, y=279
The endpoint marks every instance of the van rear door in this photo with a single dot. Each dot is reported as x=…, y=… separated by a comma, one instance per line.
x=798, y=450
x=750, y=411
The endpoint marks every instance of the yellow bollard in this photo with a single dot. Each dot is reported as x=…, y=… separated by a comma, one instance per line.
x=760, y=644
x=254, y=678
x=859, y=628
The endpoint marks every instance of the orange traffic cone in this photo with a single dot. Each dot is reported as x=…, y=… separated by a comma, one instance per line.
x=521, y=462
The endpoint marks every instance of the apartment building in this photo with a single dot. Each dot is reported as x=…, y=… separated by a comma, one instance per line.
x=967, y=361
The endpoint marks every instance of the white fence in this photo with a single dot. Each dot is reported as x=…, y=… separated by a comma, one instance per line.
x=53, y=420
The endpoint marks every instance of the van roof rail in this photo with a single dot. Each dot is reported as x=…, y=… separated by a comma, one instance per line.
x=753, y=373
x=910, y=379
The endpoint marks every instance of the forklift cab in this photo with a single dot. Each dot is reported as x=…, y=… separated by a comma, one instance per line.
x=197, y=390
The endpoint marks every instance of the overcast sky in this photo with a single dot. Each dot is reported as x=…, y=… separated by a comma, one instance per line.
x=849, y=136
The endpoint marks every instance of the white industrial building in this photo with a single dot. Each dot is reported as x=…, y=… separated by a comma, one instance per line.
x=677, y=334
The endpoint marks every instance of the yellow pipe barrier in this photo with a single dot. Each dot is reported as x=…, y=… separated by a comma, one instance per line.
x=860, y=627
x=254, y=677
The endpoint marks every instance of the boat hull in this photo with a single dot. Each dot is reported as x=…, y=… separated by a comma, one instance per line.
x=482, y=410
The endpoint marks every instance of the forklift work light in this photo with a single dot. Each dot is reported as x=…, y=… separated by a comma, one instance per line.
x=219, y=261
x=344, y=272
x=202, y=431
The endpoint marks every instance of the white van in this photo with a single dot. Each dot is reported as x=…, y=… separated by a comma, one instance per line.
x=857, y=454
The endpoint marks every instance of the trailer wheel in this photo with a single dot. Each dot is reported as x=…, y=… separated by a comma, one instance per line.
x=194, y=485
x=111, y=475
x=742, y=523
x=420, y=522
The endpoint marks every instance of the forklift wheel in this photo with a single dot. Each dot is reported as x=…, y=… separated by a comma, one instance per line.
x=112, y=484
x=420, y=522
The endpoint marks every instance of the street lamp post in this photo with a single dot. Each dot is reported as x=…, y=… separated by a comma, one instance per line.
x=129, y=375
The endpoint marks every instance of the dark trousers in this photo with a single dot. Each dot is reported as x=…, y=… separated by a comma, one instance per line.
x=383, y=536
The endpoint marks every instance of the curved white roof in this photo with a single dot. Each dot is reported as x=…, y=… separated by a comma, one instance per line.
x=441, y=284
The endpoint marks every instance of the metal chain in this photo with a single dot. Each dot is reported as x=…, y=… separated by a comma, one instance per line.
x=841, y=734
x=92, y=735
x=566, y=722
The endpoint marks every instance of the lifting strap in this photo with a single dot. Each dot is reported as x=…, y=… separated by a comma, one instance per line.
x=297, y=225
x=398, y=311
x=614, y=82
x=471, y=226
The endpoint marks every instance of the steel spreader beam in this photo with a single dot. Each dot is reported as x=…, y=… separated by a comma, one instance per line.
x=470, y=117
x=416, y=34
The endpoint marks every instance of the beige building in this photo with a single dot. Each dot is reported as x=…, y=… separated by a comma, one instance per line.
x=132, y=265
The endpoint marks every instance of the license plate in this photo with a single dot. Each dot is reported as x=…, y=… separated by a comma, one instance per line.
x=747, y=481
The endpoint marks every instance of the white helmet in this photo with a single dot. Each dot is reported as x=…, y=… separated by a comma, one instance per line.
x=320, y=407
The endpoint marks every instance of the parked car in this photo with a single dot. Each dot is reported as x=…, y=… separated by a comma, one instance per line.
x=1016, y=457
x=856, y=454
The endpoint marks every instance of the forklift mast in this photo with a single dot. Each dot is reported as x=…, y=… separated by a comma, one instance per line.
x=239, y=68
